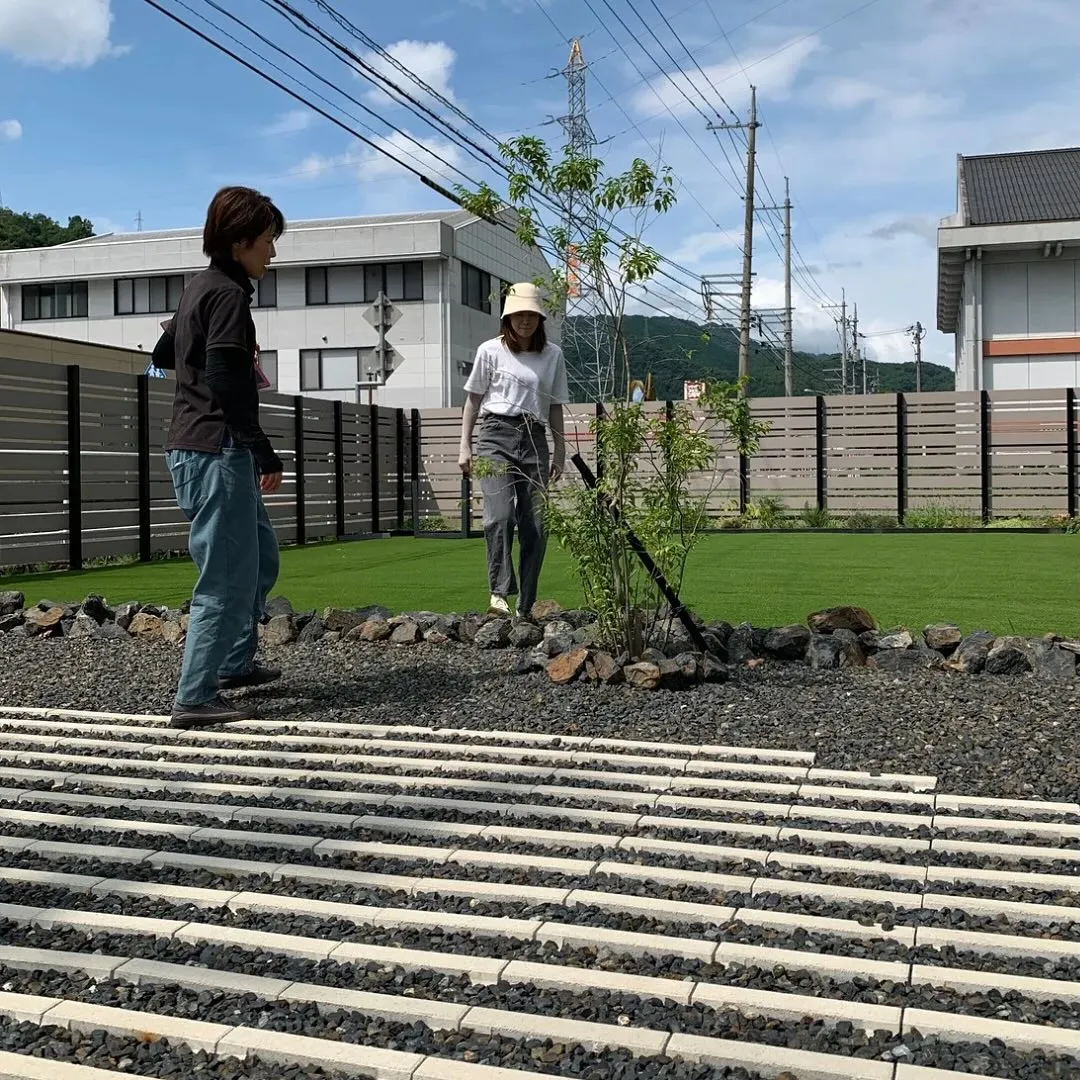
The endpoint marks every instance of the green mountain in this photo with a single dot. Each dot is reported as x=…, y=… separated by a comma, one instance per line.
x=676, y=350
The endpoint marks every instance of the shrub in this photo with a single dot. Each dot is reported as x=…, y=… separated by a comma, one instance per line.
x=816, y=517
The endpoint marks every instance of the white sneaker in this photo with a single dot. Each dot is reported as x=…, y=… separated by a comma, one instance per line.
x=497, y=605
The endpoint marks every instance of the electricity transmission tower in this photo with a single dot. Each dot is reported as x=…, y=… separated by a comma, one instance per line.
x=587, y=337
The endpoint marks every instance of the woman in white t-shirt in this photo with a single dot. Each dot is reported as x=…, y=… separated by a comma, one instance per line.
x=517, y=388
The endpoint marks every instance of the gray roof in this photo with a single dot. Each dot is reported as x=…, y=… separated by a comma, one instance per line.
x=1014, y=189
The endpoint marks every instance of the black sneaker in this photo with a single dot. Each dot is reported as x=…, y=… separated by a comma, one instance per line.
x=218, y=711
x=259, y=675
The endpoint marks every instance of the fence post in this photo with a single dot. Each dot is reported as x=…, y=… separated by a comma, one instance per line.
x=1071, y=449
x=74, y=440
x=376, y=465
x=400, y=450
x=985, y=455
x=901, y=457
x=298, y=441
x=142, y=385
x=339, y=469
x=822, y=461
x=414, y=440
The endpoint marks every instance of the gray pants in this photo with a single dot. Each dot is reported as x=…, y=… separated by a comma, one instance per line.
x=517, y=449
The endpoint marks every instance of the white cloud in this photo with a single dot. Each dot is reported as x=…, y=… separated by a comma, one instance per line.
x=290, y=123
x=10, y=130
x=431, y=61
x=57, y=33
x=774, y=70
x=700, y=248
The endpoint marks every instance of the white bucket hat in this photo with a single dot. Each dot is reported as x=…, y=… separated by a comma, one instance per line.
x=523, y=296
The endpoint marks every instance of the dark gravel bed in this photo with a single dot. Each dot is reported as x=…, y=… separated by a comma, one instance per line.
x=138, y=1057
x=592, y=1004
x=1035, y=864
x=984, y=836
x=801, y=819
x=981, y=735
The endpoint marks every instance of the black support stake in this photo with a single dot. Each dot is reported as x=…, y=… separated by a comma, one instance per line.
x=466, y=507
x=599, y=456
x=414, y=463
x=901, y=457
x=400, y=451
x=376, y=468
x=142, y=383
x=301, y=510
x=1071, y=455
x=74, y=440
x=822, y=460
x=678, y=609
x=339, y=469
x=985, y=455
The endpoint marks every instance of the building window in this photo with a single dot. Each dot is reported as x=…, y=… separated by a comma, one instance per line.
x=361, y=283
x=337, y=369
x=59, y=300
x=268, y=363
x=476, y=288
x=148, y=295
x=266, y=290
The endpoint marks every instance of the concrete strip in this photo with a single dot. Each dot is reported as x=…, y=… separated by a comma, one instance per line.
x=357, y=878
x=569, y=1033
x=753, y=787
x=26, y=1008
x=722, y=806
x=617, y=818
x=954, y=1027
x=144, y=1026
x=256, y=941
x=821, y=793
x=432, y=802
x=193, y=977
x=153, y=719
x=871, y=840
x=552, y=837
x=570, y=867
x=1021, y=808
x=848, y=928
x=435, y=1068
x=1050, y=830
x=707, y=767
x=775, y=1060
x=12, y=794
x=831, y=865
x=90, y=851
x=171, y=894
x=378, y=849
x=421, y=826
x=315, y=795
x=907, y=781
x=634, y=872
x=921, y=1072
x=1009, y=852
x=724, y=828
x=763, y=886
x=479, y=969
x=212, y=864
x=585, y=980
x=1004, y=879
x=95, y=965
x=782, y=1006
x=15, y=843
x=165, y=806
x=646, y=844
x=625, y=942
x=599, y=778
x=91, y=921
x=75, y=883
x=348, y=1058
x=437, y=1015
x=839, y=967
x=985, y=982
x=811, y=812
x=480, y=925
x=278, y=903
x=607, y=796
x=652, y=907
x=997, y=944
x=631, y=761
x=1008, y=909
x=299, y=818
x=22, y=1067
x=489, y=890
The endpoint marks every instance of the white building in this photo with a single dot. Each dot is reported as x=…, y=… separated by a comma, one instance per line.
x=1009, y=271
x=318, y=324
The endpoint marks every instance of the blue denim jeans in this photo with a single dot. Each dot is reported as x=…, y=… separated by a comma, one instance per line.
x=236, y=553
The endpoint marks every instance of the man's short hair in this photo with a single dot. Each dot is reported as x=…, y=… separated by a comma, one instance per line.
x=237, y=215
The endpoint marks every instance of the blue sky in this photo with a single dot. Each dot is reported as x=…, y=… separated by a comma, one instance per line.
x=110, y=110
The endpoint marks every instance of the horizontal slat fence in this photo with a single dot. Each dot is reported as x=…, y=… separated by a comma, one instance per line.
x=83, y=474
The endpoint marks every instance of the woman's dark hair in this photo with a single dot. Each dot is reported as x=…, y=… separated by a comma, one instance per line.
x=238, y=215
x=515, y=344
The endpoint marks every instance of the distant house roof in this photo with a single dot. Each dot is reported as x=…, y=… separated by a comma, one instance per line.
x=1020, y=189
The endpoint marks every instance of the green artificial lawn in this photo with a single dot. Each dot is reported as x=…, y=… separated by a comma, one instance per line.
x=1024, y=583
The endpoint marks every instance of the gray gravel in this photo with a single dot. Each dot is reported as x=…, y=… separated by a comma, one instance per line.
x=982, y=735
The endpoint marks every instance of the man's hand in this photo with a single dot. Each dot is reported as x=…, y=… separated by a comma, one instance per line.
x=269, y=483
x=465, y=462
x=556, y=471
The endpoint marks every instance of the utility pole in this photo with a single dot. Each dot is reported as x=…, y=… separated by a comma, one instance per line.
x=842, y=306
x=918, y=333
x=750, y=127
x=138, y=221
x=857, y=358
x=788, y=313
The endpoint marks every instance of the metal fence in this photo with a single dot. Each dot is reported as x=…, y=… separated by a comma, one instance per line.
x=82, y=469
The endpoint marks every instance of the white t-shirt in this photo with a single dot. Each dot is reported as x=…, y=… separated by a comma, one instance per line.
x=518, y=384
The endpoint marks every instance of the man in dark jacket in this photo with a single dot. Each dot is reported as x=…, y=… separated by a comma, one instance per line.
x=220, y=460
